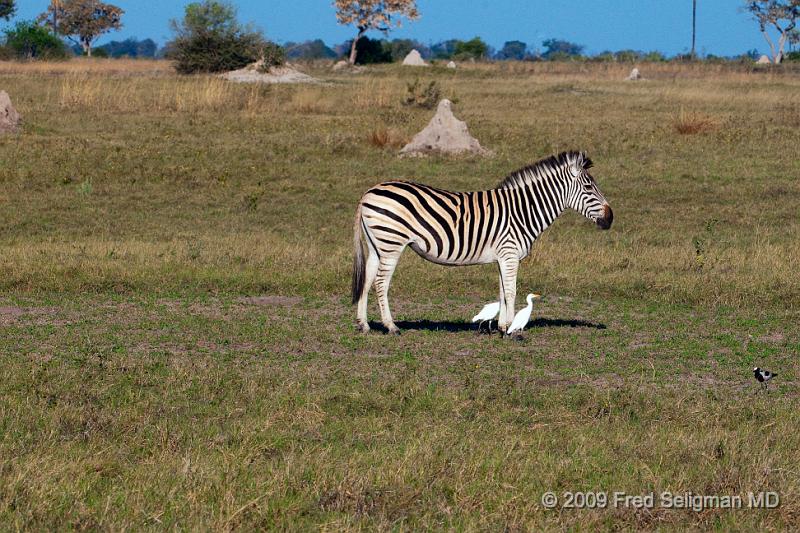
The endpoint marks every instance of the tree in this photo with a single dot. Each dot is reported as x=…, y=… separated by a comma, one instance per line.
x=7, y=9
x=83, y=21
x=315, y=49
x=210, y=39
x=28, y=40
x=628, y=56
x=516, y=50
x=371, y=51
x=473, y=49
x=373, y=15
x=793, y=39
x=130, y=47
x=53, y=10
x=557, y=48
x=781, y=14
x=401, y=47
x=444, y=49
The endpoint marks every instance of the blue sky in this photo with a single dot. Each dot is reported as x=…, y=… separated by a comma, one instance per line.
x=664, y=25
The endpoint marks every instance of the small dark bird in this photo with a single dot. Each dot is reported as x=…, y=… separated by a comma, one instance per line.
x=763, y=376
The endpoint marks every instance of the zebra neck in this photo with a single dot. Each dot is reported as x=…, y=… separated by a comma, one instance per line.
x=545, y=202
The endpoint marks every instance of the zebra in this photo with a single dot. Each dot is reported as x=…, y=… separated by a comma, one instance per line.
x=467, y=228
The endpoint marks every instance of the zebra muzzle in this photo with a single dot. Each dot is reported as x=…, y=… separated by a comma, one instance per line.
x=605, y=221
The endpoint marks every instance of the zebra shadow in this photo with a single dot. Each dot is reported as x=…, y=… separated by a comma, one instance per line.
x=460, y=325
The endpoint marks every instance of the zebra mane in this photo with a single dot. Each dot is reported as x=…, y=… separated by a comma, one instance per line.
x=546, y=167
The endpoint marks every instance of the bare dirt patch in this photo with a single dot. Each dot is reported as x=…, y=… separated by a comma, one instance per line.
x=11, y=314
x=772, y=338
x=270, y=301
x=10, y=311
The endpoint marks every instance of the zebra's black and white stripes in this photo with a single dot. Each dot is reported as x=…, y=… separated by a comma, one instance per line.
x=468, y=228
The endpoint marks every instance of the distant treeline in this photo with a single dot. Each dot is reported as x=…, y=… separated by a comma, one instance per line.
x=388, y=51
x=27, y=40
x=132, y=47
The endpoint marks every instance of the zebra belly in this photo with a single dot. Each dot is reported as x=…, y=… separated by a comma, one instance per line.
x=487, y=256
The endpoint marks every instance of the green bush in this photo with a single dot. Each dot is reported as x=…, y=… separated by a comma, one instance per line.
x=564, y=56
x=209, y=39
x=472, y=49
x=420, y=95
x=272, y=56
x=7, y=9
x=711, y=59
x=792, y=56
x=561, y=50
x=369, y=51
x=100, y=53
x=399, y=48
x=627, y=56
x=28, y=40
x=604, y=57
x=315, y=49
x=655, y=57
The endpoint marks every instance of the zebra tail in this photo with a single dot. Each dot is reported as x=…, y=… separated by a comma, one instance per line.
x=359, y=266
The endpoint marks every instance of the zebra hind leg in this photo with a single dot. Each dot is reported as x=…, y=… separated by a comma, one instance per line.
x=371, y=271
x=386, y=268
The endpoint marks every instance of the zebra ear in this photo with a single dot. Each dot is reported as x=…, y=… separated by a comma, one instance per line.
x=574, y=170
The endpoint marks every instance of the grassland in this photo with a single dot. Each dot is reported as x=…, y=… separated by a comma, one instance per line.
x=177, y=348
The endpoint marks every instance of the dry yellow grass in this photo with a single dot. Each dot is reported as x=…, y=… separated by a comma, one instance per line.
x=81, y=65
x=692, y=122
x=199, y=93
x=379, y=93
x=662, y=71
x=387, y=138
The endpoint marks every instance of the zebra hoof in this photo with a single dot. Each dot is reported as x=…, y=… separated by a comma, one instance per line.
x=363, y=327
x=392, y=330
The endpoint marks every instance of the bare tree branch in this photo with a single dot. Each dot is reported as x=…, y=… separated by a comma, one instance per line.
x=770, y=13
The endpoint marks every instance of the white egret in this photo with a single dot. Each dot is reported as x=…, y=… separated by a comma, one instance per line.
x=489, y=312
x=521, y=318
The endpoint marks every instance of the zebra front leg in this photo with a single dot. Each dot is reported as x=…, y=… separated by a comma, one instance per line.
x=508, y=284
x=370, y=272
x=386, y=267
x=502, y=318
